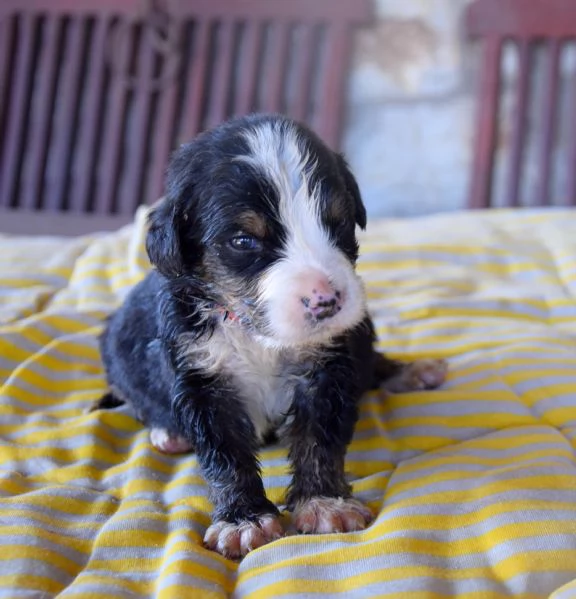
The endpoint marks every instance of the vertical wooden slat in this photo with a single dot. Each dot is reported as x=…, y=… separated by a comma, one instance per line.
x=19, y=102
x=43, y=103
x=487, y=125
x=70, y=85
x=164, y=127
x=330, y=104
x=550, y=100
x=197, y=77
x=219, y=93
x=7, y=27
x=249, y=68
x=570, y=191
x=303, y=72
x=83, y=176
x=519, y=124
x=138, y=134
x=111, y=145
x=275, y=74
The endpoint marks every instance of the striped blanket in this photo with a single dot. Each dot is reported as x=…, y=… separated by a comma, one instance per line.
x=474, y=485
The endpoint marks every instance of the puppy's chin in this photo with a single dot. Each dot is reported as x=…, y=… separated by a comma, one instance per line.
x=288, y=321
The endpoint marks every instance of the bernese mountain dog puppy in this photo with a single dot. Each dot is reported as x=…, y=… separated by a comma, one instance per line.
x=253, y=324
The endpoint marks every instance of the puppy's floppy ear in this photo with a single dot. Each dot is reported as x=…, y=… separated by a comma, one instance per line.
x=166, y=242
x=353, y=191
x=163, y=239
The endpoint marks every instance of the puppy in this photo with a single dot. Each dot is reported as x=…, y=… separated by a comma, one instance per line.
x=253, y=323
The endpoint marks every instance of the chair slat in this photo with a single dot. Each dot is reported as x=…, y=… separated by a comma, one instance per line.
x=519, y=123
x=329, y=105
x=197, y=78
x=7, y=35
x=131, y=191
x=83, y=179
x=162, y=131
x=303, y=71
x=274, y=77
x=570, y=198
x=549, y=104
x=19, y=101
x=71, y=79
x=221, y=88
x=114, y=127
x=43, y=103
x=249, y=68
x=79, y=133
x=488, y=108
x=531, y=24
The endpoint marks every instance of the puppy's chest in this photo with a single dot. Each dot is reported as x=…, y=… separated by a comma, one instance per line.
x=264, y=378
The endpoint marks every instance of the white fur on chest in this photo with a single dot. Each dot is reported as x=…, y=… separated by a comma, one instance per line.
x=258, y=373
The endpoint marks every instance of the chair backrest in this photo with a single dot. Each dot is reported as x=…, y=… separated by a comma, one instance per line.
x=547, y=27
x=94, y=94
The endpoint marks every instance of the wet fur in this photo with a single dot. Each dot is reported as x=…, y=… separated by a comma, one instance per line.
x=226, y=385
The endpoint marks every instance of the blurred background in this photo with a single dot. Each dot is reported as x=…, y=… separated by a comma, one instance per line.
x=438, y=105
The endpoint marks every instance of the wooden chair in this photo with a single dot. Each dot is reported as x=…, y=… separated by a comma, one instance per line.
x=94, y=94
x=528, y=24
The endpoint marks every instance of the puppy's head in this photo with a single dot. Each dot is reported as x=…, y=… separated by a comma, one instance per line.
x=259, y=219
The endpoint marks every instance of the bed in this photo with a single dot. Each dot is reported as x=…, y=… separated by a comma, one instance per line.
x=473, y=485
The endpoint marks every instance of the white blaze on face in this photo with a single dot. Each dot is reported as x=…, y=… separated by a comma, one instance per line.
x=312, y=269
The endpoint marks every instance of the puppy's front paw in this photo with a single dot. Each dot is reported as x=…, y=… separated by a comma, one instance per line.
x=234, y=540
x=168, y=442
x=418, y=376
x=331, y=514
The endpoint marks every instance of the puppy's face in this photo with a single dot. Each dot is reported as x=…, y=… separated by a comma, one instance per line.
x=259, y=220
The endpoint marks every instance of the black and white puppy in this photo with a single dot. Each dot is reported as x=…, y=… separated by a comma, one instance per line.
x=252, y=324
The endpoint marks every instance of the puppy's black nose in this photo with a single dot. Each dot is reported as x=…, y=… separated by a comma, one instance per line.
x=322, y=306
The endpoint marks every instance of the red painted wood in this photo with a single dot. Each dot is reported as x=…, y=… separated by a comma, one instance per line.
x=43, y=105
x=487, y=129
x=136, y=158
x=357, y=11
x=275, y=68
x=163, y=128
x=104, y=146
x=197, y=78
x=549, y=105
x=331, y=101
x=111, y=147
x=526, y=23
x=249, y=68
x=570, y=198
x=71, y=79
x=303, y=71
x=519, y=124
x=7, y=35
x=83, y=179
x=525, y=18
x=219, y=91
x=18, y=100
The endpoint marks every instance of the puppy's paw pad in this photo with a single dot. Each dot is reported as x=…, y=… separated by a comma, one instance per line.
x=331, y=514
x=167, y=442
x=428, y=374
x=418, y=376
x=236, y=540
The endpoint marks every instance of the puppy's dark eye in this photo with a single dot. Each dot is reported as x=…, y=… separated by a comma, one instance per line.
x=245, y=243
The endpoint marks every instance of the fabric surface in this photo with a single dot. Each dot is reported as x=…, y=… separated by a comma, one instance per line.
x=474, y=484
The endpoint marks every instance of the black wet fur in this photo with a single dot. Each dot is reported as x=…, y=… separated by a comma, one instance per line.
x=143, y=357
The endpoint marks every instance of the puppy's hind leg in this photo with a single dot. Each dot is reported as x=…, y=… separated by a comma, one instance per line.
x=403, y=377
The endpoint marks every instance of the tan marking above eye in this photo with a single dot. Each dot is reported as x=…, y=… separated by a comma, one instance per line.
x=338, y=210
x=253, y=223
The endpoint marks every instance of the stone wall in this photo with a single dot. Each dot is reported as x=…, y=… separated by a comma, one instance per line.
x=410, y=109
